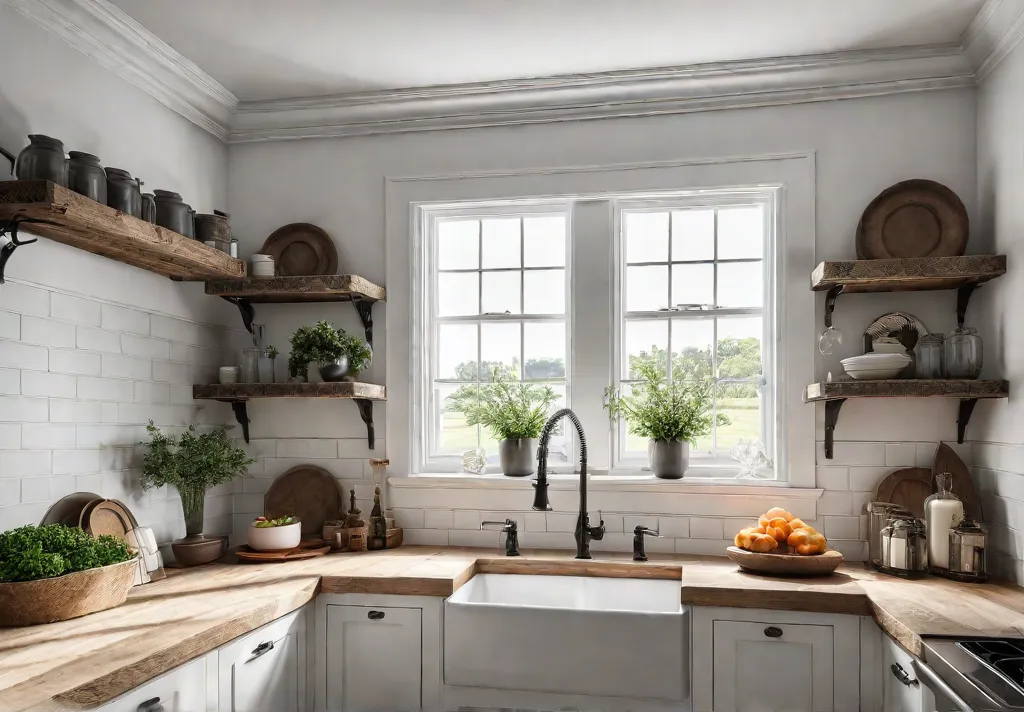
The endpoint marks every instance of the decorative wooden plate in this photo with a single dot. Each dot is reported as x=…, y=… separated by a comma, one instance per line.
x=946, y=460
x=914, y=218
x=301, y=249
x=68, y=509
x=786, y=564
x=108, y=519
x=908, y=487
x=306, y=550
x=308, y=492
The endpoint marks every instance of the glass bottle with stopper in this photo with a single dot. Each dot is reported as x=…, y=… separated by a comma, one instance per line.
x=356, y=526
x=377, y=528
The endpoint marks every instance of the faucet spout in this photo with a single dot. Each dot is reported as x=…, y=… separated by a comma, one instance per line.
x=584, y=532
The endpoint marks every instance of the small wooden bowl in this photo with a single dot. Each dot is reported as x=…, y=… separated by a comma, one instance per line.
x=786, y=564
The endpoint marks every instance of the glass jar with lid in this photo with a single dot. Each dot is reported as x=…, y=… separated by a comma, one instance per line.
x=930, y=357
x=963, y=354
x=943, y=511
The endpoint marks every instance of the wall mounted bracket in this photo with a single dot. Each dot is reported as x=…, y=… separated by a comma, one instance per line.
x=831, y=418
x=9, y=240
x=365, y=406
x=246, y=310
x=963, y=298
x=364, y=309
x=241, y=412
x=964, y=417
x=830, y=303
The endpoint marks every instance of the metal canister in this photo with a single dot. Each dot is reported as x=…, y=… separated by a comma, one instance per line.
x=879, y=514
x=904, y=547
x=967, y=552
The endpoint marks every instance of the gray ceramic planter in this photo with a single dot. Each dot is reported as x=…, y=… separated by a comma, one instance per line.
x=668, y=458
x=335, y=371
x=518, y=457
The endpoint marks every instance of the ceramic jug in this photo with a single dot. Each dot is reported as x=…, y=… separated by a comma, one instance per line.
x=42, y=159
x=87, y=177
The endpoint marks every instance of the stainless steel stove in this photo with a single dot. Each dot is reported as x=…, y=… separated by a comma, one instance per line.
x=974, y=674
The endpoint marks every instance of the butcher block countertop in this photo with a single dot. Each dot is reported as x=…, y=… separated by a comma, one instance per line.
x=83, y=663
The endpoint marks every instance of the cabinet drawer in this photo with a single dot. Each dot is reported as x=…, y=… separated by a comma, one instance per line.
x=374, y=658
x=772, y=666
x=180, y=690
x=260, y=671
x=901, y=691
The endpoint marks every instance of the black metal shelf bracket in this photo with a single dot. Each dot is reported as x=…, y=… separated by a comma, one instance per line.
x=365, y=406
x=364, y=307
x=963, y=298
x=245, y=309
x=964, y=417
x=9, y=240
x=830, y=303
x=241, y=415
x=831, y=418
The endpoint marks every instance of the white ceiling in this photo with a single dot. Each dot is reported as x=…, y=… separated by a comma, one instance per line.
x=269, y=49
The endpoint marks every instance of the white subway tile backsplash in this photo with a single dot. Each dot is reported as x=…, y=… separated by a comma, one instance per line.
x=426, y=537
x=409, y=518
x=10, y=381
x=10, y=326
x=55, y=385
x=21, y=298
x=466, y=519
x=76, y=462
x=10, y=436
x=438, y=519
x=127, y=367
x=24, y=463
x=835, y=503
x=105, y=389
x=536, y=521
x=705, y=528
x=19, y=409
x=900, y=454
x=166, y=327
x=853, y=453
x=14, y=354
x=46, y=436
x=76, y=362
x=308, y=448
x=122, y=319
x=74, y=411
x=171, y=372
x=150, y=392
x=70, y=308
x=145, y=347
x=561, y=521
x=47, y=332
x=674, y=527
x=631, y=522
x=865, y=479
x=98, y=340
x=10, y=491
x=837, y=478
x=35, y=489
x=841, y=527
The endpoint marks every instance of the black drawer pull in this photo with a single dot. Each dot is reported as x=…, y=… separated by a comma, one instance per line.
x=152, y=705
x=900, y=674
x=375, y=615
x=773, y=632
x=261, y=649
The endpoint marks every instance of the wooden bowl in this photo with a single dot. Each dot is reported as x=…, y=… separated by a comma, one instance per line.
x=786, y=564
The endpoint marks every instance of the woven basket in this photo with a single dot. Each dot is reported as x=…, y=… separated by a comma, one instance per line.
x=67, y=596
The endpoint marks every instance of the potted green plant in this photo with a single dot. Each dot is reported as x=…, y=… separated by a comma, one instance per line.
x=192, y=463
x=671, y=415
x=514, y=412
x=358, y=352
x=337, y=354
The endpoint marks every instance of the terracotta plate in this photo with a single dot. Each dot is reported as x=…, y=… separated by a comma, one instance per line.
x=915, y=218
x=309, y=492
x=68, y=510
x=785, y=564
x=110, y=518
x=301, y=249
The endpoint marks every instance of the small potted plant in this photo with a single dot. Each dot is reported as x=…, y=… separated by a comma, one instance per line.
x=514, y=412
x=192, y=463
x=358, y=352
x=671, y=415
x=337, y=354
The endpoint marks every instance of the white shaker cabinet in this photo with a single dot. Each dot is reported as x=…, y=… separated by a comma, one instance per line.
x=748, y=660
x=901, y=691
x=265, y=670
x=183, y=689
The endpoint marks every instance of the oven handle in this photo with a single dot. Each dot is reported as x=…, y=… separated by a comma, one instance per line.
x=932, y=680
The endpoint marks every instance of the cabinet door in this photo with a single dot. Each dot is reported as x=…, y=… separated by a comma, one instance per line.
x=180, y=690
x=260, y=671
x=374, y=659
x=901, y=691
x=762, y=667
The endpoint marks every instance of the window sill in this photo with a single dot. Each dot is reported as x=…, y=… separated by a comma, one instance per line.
x=611, y=483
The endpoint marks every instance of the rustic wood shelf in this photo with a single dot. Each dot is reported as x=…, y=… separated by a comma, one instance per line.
x=75, y=220
x=835, y=393
x=909, y=274
x=239, y=394
x=296, y=290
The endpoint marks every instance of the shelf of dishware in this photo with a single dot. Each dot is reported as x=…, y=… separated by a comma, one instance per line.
x=967, y=391
x=239, y=394
x=911, y=274
x=59, y=214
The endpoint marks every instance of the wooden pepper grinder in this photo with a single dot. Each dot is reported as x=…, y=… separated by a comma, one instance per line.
x=356, y=527
x=377, y=531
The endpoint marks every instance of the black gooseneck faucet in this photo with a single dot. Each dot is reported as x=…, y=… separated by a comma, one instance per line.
x=584, y=532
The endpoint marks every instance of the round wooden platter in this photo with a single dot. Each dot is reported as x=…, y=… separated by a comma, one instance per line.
x=305, y=550
x=308, y=492
x=785, y=564
x=301, y=249
x=915, y=218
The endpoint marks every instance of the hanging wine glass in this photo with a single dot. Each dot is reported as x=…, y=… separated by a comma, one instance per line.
x=829, y=339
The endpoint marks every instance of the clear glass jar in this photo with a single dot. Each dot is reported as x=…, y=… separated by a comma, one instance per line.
x=942, y=511
x=930, y=357
x=963, y=354
x=248, y=366
x=268, y=363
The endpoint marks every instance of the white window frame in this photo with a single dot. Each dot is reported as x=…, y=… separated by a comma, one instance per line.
x=431, y=216
x=792, y=176
x=702, y=466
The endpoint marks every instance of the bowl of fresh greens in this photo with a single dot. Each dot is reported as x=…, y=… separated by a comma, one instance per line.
x=56, y=572
x=275, y=534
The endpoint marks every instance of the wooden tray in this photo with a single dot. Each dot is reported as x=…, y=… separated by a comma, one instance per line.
x=786, y=564
x=908, y=487
x=306, y=550
x=308, y=492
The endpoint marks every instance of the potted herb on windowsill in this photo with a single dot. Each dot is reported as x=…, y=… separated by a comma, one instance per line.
x=513, y=411
x=670, y=415
x=338, y=355
x=192, y=463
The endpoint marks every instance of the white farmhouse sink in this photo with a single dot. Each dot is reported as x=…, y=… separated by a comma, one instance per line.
x=601, y=637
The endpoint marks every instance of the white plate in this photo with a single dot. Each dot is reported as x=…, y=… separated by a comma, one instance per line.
x=874, y=374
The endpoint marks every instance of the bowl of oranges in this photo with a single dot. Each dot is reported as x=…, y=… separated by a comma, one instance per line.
x=783, y=545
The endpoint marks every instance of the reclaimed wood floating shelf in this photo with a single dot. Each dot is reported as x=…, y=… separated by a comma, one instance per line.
x=835, y=393
x=907, y=275
x=80, y=222
x=243, y=293
x=239, y=394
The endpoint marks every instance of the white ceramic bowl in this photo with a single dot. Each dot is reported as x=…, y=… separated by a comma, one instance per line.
x=274, y=538
x=879, y=374
x=886, y=346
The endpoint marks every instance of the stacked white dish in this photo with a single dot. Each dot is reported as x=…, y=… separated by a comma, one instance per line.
x=875, y=366
x=228, y=375
x=262, y=265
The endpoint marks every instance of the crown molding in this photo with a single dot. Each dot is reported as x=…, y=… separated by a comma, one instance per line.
x=704, y=87
x=995, y=31
x=114, y=40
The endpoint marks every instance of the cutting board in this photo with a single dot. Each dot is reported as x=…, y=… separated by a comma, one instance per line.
x=907, y=487
x=946, y=460
x=306, y=491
